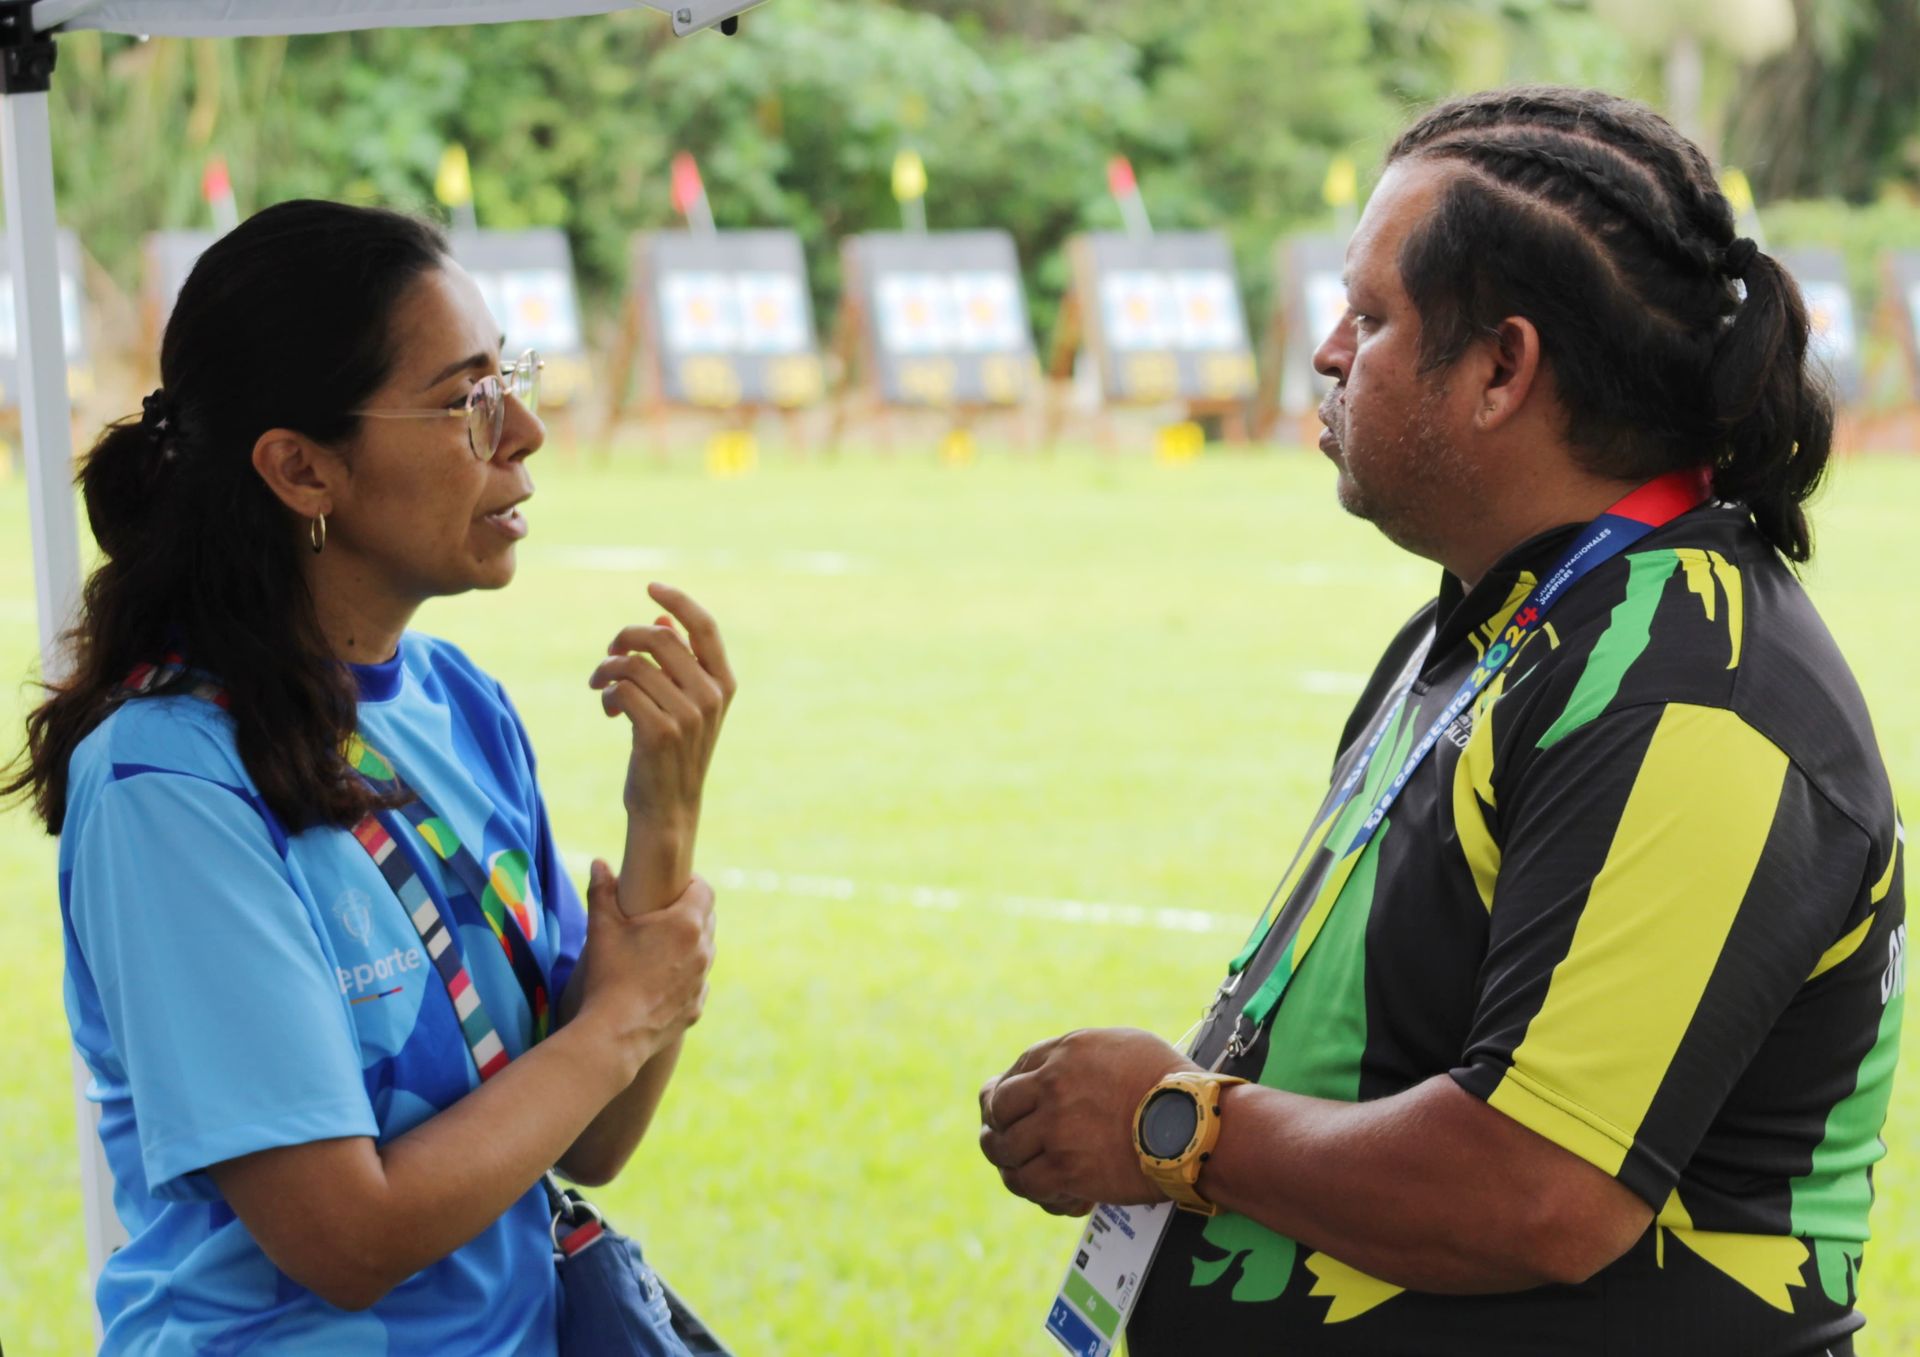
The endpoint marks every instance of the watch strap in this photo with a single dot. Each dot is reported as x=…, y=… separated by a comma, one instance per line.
x=1177, y=1177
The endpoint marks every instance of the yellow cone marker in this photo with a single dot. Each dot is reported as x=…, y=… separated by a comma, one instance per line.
x=1181, y=443
x=731, y=454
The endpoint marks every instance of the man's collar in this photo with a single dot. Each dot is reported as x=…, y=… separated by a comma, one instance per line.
x=1461, y=610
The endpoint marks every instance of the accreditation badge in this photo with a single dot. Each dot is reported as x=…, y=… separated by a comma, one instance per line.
x=1103, y=1280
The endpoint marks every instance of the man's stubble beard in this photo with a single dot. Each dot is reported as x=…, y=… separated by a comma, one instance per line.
x=1417, y=488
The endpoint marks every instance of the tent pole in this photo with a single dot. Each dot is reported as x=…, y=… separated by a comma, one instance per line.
x=26, y=164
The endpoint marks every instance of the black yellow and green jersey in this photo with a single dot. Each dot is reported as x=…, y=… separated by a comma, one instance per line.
x=1645, y=898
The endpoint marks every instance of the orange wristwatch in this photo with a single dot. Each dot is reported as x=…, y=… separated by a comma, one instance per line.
x=1174, y=1131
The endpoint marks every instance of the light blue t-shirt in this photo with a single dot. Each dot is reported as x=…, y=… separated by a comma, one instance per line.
x=233, y=989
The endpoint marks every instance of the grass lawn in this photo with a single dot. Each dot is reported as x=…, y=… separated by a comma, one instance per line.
x=1020, y=746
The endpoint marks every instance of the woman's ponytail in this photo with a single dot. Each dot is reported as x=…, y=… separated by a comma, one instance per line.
x=123, y=478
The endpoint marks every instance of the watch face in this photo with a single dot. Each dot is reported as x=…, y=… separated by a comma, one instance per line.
x=1168, y=1123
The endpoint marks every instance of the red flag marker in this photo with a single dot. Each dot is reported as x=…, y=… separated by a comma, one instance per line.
x=216, y=186
x=1126, y=192
x=689, y=193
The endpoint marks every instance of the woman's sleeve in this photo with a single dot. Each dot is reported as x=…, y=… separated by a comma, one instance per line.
x=222, y=1004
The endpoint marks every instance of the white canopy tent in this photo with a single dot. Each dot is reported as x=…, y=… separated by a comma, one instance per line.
x=28, y=50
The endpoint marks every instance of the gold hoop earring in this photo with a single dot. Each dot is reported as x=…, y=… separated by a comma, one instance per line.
x=317, y=533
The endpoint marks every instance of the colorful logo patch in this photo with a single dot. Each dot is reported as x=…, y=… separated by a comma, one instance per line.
x=507, y=877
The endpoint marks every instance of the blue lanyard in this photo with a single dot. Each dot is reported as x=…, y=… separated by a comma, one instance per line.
x=1652, y=506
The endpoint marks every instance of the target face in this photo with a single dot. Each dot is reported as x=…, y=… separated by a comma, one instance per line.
x=700, y=311
x=772, y=313
x=1141, y=309
x=1209, y=310
x=492, y=295
x=1326, y=305
x=537, y=311
x=986, y=308
x=1830, y=312
x=917, y=313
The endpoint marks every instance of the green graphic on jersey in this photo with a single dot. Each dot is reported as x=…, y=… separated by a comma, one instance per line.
x=1314, y=1048
x=1623, y=642
x=1830, y=1203
x=1266, y=1258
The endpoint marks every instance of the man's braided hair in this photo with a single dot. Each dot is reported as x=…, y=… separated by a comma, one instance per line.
x=1595, y=219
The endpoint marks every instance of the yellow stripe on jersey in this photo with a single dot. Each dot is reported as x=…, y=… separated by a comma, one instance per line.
x=1472, y=785
x=1699, y=575
x=1350, y=1291
x=1767, y=1265
x=1844, y=948
x=1850, y=944
x=1649, y=935
x=1885, y=883
x=1702, y=568
x=1729, y=576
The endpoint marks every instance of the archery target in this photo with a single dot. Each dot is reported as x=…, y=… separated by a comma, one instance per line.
x=1830, y=311
x=916, y=313
x=700, y=313
x=1209, y=308
x=986, y=308
x=772, y=313
x=538, y=311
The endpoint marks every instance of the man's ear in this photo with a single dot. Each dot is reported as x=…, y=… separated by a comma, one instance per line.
x=302, y=475
x=1513, y=370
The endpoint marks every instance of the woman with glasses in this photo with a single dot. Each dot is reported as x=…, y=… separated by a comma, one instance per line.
x=341, y=1004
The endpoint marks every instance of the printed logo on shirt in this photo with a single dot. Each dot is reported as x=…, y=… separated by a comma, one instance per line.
x=1893, y=980
x=360, y=978
x=355, y=913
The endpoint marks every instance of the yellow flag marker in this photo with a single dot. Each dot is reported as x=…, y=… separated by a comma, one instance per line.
x=909, y=177
x=453, y=185
x=1342, y=185
x=1739, y=192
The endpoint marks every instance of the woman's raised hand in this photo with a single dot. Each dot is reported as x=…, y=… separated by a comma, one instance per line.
x=675, y=693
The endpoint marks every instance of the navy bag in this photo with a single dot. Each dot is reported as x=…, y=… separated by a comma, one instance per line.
x=612, y=1304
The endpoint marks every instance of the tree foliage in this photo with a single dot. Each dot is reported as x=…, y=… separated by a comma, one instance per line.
x=1231, y=110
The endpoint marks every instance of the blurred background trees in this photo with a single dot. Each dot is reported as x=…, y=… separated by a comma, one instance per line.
x=1232, y=111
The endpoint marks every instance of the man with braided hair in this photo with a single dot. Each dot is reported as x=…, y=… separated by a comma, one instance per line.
x=1571, y=1027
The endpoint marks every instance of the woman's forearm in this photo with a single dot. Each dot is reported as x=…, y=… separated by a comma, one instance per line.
x=656, y=867
x=602, y=1150
x=351, y=1220
x=656, y=863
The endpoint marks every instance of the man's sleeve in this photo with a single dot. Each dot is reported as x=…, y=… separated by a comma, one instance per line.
x=1668, y=881
x=219, y=998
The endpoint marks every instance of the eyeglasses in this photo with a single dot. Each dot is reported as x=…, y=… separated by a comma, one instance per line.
x=485, y=409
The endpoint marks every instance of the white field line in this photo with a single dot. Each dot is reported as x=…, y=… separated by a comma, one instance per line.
x=949, y=899
x=1330, y=682
x=627, y=560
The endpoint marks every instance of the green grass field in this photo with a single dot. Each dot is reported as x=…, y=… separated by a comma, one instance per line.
x=1020, y=747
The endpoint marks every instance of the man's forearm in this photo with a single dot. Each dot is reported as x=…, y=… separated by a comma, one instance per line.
x=1431, y=1189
